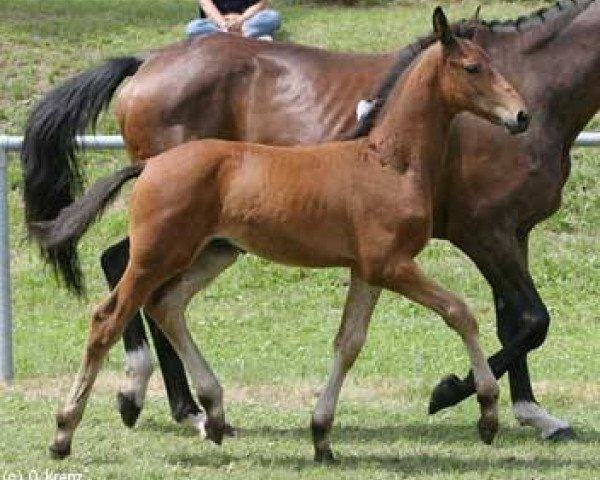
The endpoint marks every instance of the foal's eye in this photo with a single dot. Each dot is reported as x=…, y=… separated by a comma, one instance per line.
x=472, y=68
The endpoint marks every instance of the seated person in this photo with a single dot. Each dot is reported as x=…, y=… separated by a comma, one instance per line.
x=250, y=18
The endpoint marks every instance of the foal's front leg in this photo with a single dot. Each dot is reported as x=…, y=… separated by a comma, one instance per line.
x=405, y=277
x=360, y=302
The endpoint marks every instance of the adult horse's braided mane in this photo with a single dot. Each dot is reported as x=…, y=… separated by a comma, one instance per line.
x=463, y=29
x=526, y=22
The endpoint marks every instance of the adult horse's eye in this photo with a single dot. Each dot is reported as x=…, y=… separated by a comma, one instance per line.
x=472, y=68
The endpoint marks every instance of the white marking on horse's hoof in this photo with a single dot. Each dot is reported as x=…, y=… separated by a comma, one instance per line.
x=138, y=369
x=532, y=415
x=197, y=422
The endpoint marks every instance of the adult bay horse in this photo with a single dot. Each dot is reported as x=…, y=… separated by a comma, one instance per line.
x=366, y=205
x=234, y=88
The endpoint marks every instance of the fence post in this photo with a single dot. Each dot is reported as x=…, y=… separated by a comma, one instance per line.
x=6, y=354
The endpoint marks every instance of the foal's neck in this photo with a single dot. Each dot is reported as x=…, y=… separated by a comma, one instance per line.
x=413, y=130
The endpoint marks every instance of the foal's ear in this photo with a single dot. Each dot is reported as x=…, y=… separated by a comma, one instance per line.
x=475, y=17
x=441, y=28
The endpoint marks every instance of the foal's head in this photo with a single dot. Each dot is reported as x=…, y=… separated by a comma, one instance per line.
x=470, y=82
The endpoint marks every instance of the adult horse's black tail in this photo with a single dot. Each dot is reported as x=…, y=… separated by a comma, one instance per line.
x=52, y=176
x=58, y=237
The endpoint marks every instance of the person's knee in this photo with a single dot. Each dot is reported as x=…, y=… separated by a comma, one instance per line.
x=200, y=26
x=272, y=18
x=264, y=22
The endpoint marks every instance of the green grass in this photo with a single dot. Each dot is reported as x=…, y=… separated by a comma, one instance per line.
x=267, y=330
x=386, y=438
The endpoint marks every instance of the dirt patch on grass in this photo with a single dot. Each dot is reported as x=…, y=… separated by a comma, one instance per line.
x=292, y=395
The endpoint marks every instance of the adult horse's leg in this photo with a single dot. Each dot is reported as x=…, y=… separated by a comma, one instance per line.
x=525, y=407
x=138, y=358
x=522, y=319
x=131, y=396
x=349, y=341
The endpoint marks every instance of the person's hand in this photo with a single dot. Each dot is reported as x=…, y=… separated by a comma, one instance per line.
x=234, y=22
x=222, y=23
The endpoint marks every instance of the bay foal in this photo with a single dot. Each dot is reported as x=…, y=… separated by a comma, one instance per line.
x=364, y=204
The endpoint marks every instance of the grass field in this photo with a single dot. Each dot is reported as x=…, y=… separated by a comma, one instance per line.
x=267, y=330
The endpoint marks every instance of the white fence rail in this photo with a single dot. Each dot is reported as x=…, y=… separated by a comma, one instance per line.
x=98, y=142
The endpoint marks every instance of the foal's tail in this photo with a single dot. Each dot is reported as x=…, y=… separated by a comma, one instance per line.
x=58, y=238
x=52, y=176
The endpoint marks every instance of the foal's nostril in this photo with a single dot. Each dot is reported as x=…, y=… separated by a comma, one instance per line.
x=523, y=119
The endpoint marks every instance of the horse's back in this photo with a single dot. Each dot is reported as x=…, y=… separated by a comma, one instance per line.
x=226, y=86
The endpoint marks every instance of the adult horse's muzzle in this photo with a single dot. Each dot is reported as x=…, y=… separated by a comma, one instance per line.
x=519, y=123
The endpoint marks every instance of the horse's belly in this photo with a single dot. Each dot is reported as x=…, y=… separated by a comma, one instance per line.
x=302, y=243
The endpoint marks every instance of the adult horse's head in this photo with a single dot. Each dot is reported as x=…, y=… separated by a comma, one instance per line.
x=470, y=82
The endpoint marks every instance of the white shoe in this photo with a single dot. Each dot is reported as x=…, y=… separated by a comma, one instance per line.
x=266, y=38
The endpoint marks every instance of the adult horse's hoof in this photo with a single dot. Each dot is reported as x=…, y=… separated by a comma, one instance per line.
x=445, y=394
x=325, y=456
x=562, y=435
x=58, y=451
x=128, y=409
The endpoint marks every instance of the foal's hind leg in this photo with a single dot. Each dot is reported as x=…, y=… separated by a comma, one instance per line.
x=106, y=325
x=168, y=307
x=349, y=341
x=406, y=278
x=215, y=258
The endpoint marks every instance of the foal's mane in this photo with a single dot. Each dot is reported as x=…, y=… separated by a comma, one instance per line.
x=462, y=29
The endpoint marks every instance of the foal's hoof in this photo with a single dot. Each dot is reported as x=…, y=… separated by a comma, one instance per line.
x=445, y=394
x=128, y=409
x=487, y=427
x=562, y=435
x=325, y=456
x=58, y=451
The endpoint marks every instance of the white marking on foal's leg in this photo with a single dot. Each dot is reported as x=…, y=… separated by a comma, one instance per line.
x=531, y=414
x=138, y=369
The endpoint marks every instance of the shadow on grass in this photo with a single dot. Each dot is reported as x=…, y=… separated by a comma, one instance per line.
x=448, y=434
x=169, y=428
x=408, y=464
x=424, y=463
x=421, y=434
